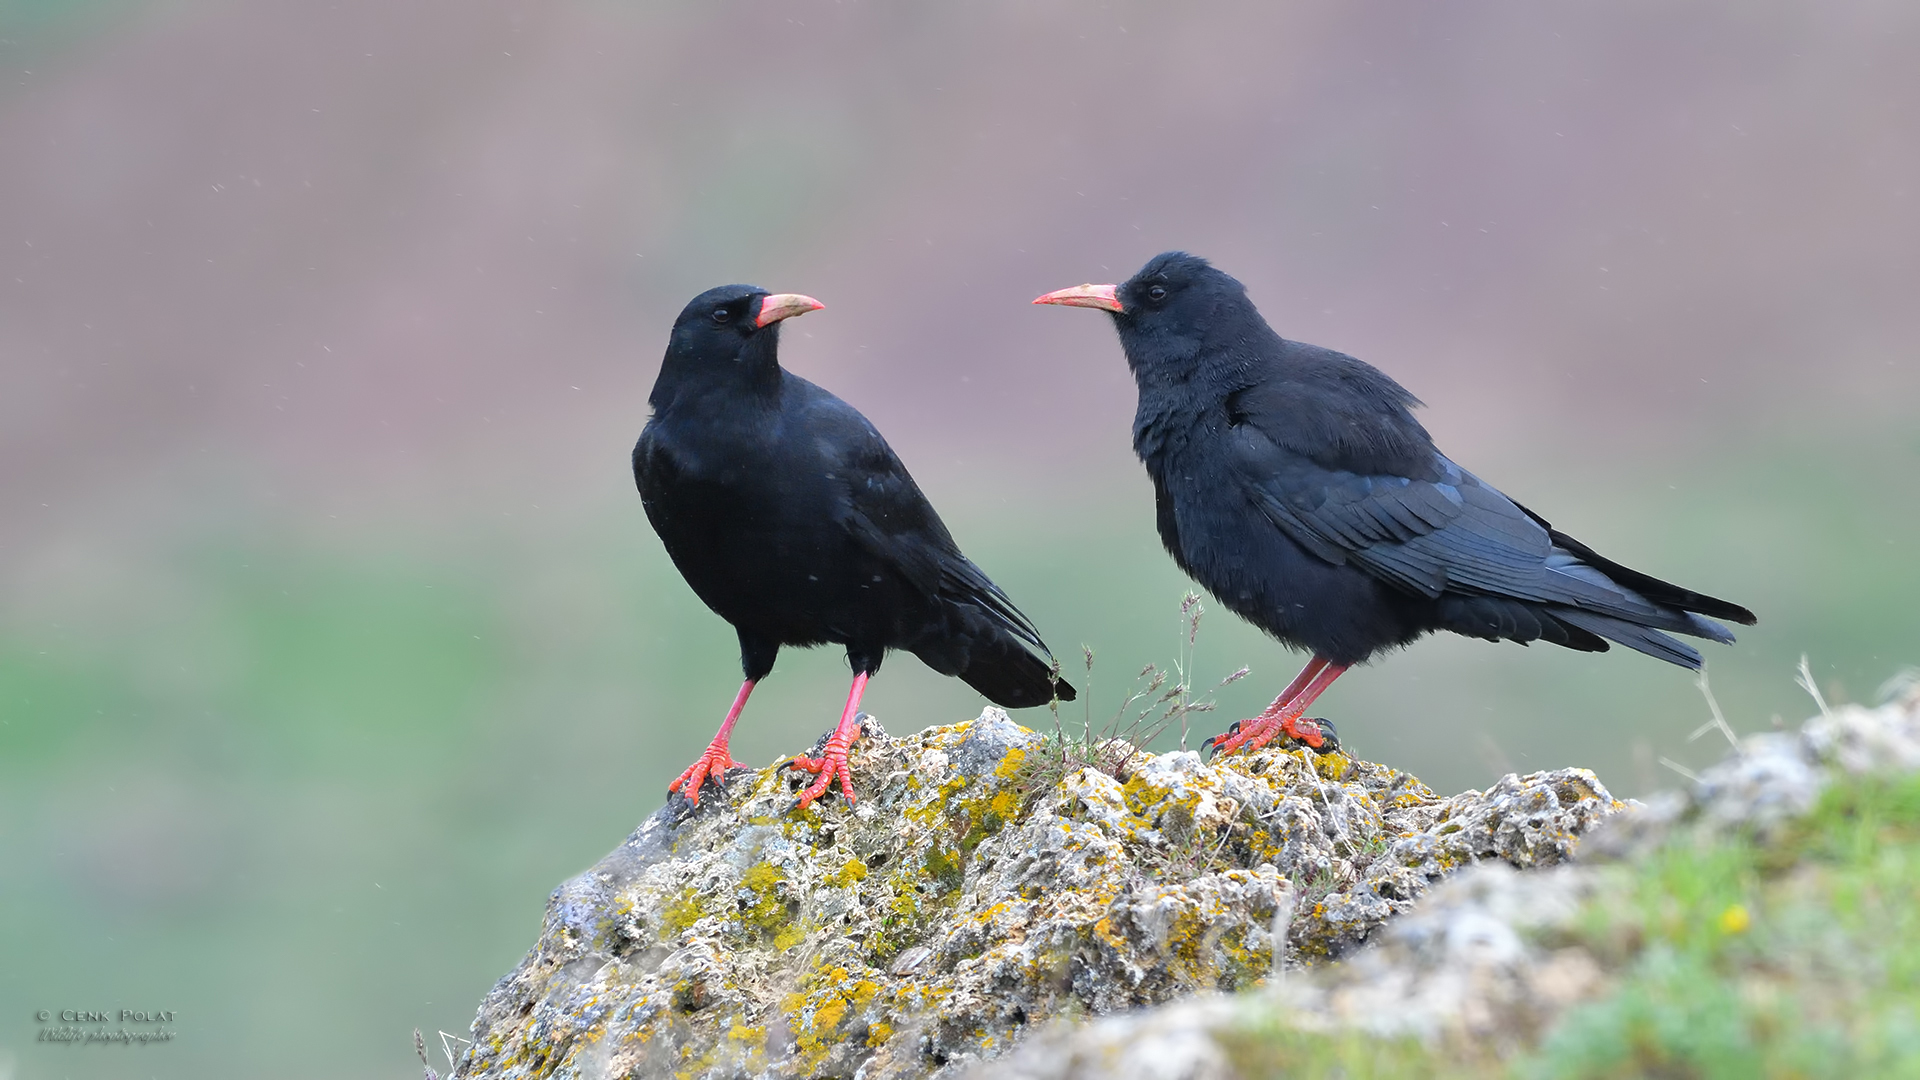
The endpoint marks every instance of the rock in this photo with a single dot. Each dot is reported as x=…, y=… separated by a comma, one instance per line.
x=1775, y=776
x=1772, y=779
x=1465, y=965
x=1479, y=964
x=983, y=886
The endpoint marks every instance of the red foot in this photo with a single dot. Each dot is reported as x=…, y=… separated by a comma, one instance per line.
x=1286, y=716
x=1261, y=730
x=832, y=762
x=714, y=764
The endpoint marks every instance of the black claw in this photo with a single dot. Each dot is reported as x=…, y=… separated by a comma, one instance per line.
x=1208, y=748
x=684, y=809
x=1329, y=738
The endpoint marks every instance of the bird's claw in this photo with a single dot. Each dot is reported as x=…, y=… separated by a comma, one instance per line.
x=1329, y=738
x=1315, y=734
x=798, y=805
x=828, y=767
x=1213, y=742
x=714, y=765
x=833, y=763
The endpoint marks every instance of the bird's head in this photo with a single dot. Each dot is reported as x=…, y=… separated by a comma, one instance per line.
x=1166, y=312
x=728, y=335
x=721, y=321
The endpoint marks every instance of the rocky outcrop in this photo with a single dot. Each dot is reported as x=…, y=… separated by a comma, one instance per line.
x=987, y=882
x=1489, y=959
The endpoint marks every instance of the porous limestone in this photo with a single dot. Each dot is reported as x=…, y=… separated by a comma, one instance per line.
x=1480, y=962
x=983, y=884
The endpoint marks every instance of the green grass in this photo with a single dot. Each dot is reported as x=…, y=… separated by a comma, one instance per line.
x=1273, y=1052
x=1818, y=978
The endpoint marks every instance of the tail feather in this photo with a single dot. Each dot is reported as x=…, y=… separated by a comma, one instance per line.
x=990, y=644
x=1010, y=676
x=1640, y=638
x=1663, y=593
x=1637, y=623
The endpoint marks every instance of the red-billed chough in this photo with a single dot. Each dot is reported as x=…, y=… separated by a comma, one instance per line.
x=1293, y=482
x=793, y=520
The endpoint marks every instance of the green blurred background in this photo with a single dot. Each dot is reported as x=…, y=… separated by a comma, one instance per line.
x=332, y=635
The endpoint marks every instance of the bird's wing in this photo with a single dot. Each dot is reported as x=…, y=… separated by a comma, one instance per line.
x=887, y=514
x=1447, y=532
x=653, y=467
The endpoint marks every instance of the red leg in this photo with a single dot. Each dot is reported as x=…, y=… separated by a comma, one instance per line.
x=1284, y=716
x=715, y=761
x=832, y=761
x=1298, y=684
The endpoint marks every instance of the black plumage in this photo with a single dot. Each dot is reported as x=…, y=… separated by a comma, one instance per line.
x=794, y=520
x=1294, y=483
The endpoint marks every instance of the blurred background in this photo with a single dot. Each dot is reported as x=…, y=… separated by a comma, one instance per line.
x=333, y=636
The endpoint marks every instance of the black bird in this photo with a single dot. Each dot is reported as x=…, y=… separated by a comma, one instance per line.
x=793, y=520
x=1294, y=483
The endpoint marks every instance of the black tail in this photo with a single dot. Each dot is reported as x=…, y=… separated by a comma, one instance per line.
x=985, y=656
x=1641, y=638
x=1679, y=610
x=990, y=644
x=1664, y=593
x=1614, y=604
x=1012, y=677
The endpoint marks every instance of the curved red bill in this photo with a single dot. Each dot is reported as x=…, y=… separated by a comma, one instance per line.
x=784, y=306
x=1093, y=296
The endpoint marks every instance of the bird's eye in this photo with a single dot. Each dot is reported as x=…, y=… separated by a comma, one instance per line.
x=1156, y=292
x=721, y=315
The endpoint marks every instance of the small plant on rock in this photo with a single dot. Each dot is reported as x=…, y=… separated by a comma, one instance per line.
x=1157, y=700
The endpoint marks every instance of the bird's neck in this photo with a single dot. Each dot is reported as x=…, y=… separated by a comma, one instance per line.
x=751, y=377
x=1178, y=396
x=1163, y=423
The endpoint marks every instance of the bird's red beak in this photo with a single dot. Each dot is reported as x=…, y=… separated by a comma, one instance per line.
x=1093, y=296
x=784, y=306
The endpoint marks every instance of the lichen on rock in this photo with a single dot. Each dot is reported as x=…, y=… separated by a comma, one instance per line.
x=1490, y=964
x=982, y=885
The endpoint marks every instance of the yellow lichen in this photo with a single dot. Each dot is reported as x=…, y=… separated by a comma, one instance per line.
x=755, y=1035
x=828, y=1014
x=849, y=875
x=762, y=907
x=680, y=912
x=1010, y=764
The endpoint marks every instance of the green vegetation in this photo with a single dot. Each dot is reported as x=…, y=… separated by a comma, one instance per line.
x=1790, y=957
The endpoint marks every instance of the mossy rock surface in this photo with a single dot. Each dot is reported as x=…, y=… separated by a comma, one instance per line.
x=977, y=889
x=1760, y=924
